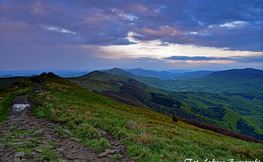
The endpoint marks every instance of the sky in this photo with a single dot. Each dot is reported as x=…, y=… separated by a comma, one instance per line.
x=150, y=34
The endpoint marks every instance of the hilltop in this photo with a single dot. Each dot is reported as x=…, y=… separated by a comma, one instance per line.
x=148, y=135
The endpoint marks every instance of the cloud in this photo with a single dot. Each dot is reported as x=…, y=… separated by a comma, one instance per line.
x=235, y=24
x=183, y=58
x=240, y=59
x=221, y=24
x=61, y=30
x=124, y=15
x=203, y=33
x=253, y=59
x=163, y=31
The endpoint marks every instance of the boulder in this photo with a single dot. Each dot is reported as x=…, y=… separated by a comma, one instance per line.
x=16, y=160
x=44, y=147
x=20, y=154
x=106, y=152
x=67, y=131
x=20, y=143
x=38, y=132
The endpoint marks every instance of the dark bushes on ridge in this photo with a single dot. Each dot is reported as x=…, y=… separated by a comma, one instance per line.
x=41, y=78
x=174, y=118
x=221, y=131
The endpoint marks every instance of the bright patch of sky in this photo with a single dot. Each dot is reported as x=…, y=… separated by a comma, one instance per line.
x=156, y=49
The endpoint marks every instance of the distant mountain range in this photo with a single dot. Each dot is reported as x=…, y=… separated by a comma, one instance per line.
x=168, y=75
x=235, y=80
x=62, y=73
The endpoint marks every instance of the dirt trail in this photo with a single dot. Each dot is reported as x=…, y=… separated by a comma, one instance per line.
x=23, y=137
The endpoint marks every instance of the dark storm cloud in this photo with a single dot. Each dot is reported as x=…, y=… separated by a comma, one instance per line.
x=236, y=25
x=249, y=59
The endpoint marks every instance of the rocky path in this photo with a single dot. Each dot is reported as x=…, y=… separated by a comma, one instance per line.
x=23, y=137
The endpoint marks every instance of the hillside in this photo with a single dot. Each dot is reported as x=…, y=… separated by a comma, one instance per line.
x=248, y=105
x=235, y=74
x=149, y=136
x=101, y=77
x=193, y=75
x=138, y=94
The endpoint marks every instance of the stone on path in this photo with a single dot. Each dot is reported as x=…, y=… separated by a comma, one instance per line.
x=44, y=147
x=67, y=131
x=16, y=160
x=106, y=152
x=38, y=132
x=19, y=154
x=102, y=131
x=20, y=143
x=39, y=150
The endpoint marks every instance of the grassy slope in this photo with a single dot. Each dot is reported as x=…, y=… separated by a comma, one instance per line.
x=96, y=85
x=247, y=105
x=203, y=106
x=149, y=136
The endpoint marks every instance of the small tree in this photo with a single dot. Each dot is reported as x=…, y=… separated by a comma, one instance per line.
x=174, y=118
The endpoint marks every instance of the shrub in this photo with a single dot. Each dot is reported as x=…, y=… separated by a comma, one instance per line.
x=174, y=118
x=102, y=144
x=131, y=125
x=145, y=138
x=88, y=131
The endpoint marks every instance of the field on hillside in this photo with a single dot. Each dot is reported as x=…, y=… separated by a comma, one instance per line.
x=248, y=105
x=239, y=112
x=149, y=136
